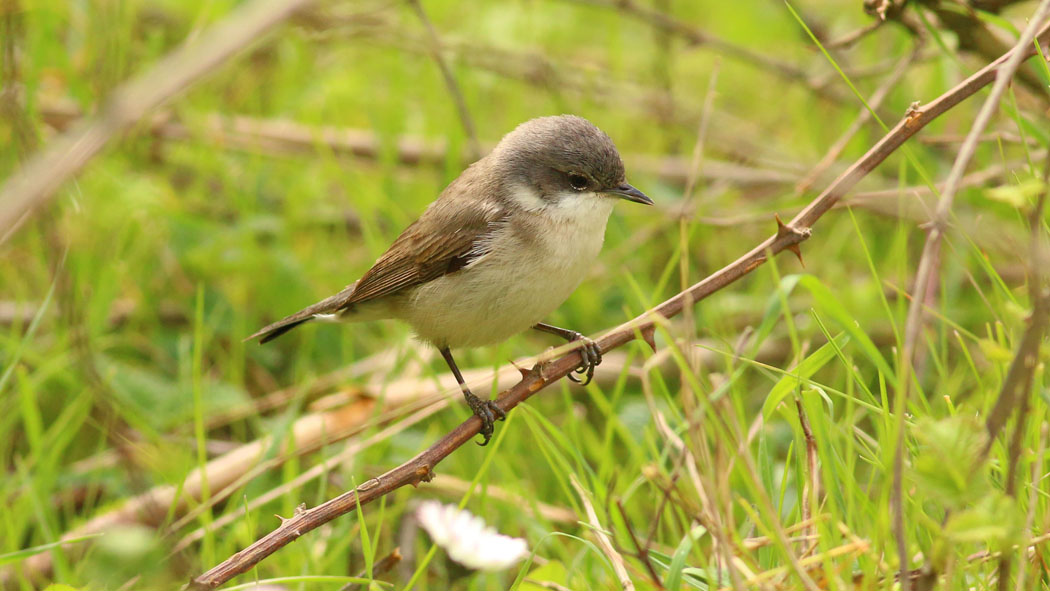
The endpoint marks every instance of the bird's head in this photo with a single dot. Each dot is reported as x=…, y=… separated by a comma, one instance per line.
x=562, y=160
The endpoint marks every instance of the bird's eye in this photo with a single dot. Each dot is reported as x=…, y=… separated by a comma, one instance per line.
x=578, y=181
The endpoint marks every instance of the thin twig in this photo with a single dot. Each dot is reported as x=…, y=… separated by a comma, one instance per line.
x=419, y=468
x=642, y=551
x=352, y=450
x=697, y=158
x=450, y=80
x=1031, y=544
x=812, y=486
x=863, y=116
x=847, y=40
x=33, y=185
x=1028, y=357
x=931, y=253
x=1033, y=502
x=383, y=565
x=697, y=36
x=283, y=137
x=1014, y=455
x=1018, y=381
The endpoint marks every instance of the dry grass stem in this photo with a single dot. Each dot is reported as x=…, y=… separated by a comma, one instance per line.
x=434, y=44
x=604, y=541
x=925, y=275
x=64, y=156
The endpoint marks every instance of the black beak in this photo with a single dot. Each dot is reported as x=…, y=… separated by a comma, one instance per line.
x=629, y=193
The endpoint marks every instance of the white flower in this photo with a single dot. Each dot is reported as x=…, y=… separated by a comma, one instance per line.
x=466, y=538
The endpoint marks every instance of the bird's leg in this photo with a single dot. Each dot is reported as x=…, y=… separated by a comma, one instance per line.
x=486, y=410
x=590, y=352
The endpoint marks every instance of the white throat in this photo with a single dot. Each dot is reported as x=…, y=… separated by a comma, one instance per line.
x=586, y=208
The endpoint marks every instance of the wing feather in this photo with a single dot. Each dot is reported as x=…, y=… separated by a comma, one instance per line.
x=448, y=235
x=443, y=240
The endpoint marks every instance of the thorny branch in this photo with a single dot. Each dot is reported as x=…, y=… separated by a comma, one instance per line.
x=788, y=237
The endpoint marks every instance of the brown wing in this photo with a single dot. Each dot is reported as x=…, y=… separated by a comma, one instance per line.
x=441, y=241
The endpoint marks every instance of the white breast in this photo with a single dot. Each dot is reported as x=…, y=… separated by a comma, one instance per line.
x=526, y=272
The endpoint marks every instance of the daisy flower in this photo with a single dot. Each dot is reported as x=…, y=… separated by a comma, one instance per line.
x=467, y=539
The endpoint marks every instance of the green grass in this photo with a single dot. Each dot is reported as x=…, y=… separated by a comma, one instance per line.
x=122, y=366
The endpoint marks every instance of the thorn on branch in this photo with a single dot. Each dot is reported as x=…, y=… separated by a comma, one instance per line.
x=649, y=336
x=787, y=231
x=781, y=227
x=423, y=474
x=913, y=115
x=784, y=230
x=525, y=373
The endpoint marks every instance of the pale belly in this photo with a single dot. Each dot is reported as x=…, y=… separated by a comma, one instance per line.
x=508, y=290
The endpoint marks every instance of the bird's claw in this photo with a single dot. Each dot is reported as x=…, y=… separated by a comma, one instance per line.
x=590, y=357
x=488, y=412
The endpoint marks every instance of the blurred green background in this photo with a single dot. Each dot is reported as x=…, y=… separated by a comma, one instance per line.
x=124, y=301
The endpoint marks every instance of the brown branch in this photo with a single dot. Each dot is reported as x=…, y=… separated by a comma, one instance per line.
x=567, y=74
x=926, y=274
x=847, y=40
x=280, y=137
x=420, y=468
x=641, y=551
x=1017, y=387
x=699, y=37
x=62, y=158
x=1018, y=382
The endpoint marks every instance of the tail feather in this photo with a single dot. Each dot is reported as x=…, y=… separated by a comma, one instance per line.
x=328, y=305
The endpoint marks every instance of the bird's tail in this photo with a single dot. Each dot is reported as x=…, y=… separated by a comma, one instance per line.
x=329, y=305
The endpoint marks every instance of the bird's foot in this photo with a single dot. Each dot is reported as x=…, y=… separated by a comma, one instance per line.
x=487, y=411
x=590, y=358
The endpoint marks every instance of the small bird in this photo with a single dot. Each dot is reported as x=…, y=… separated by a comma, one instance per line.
x=500, y=248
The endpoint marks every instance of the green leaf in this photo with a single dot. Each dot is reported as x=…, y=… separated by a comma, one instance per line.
x=948, y=464
x=674, y=571
x=993, y=351
x=1017, y=196
x=552, y=572
x=19, y=555
x=830, y=305
x=809, y=366
x=997, y=520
